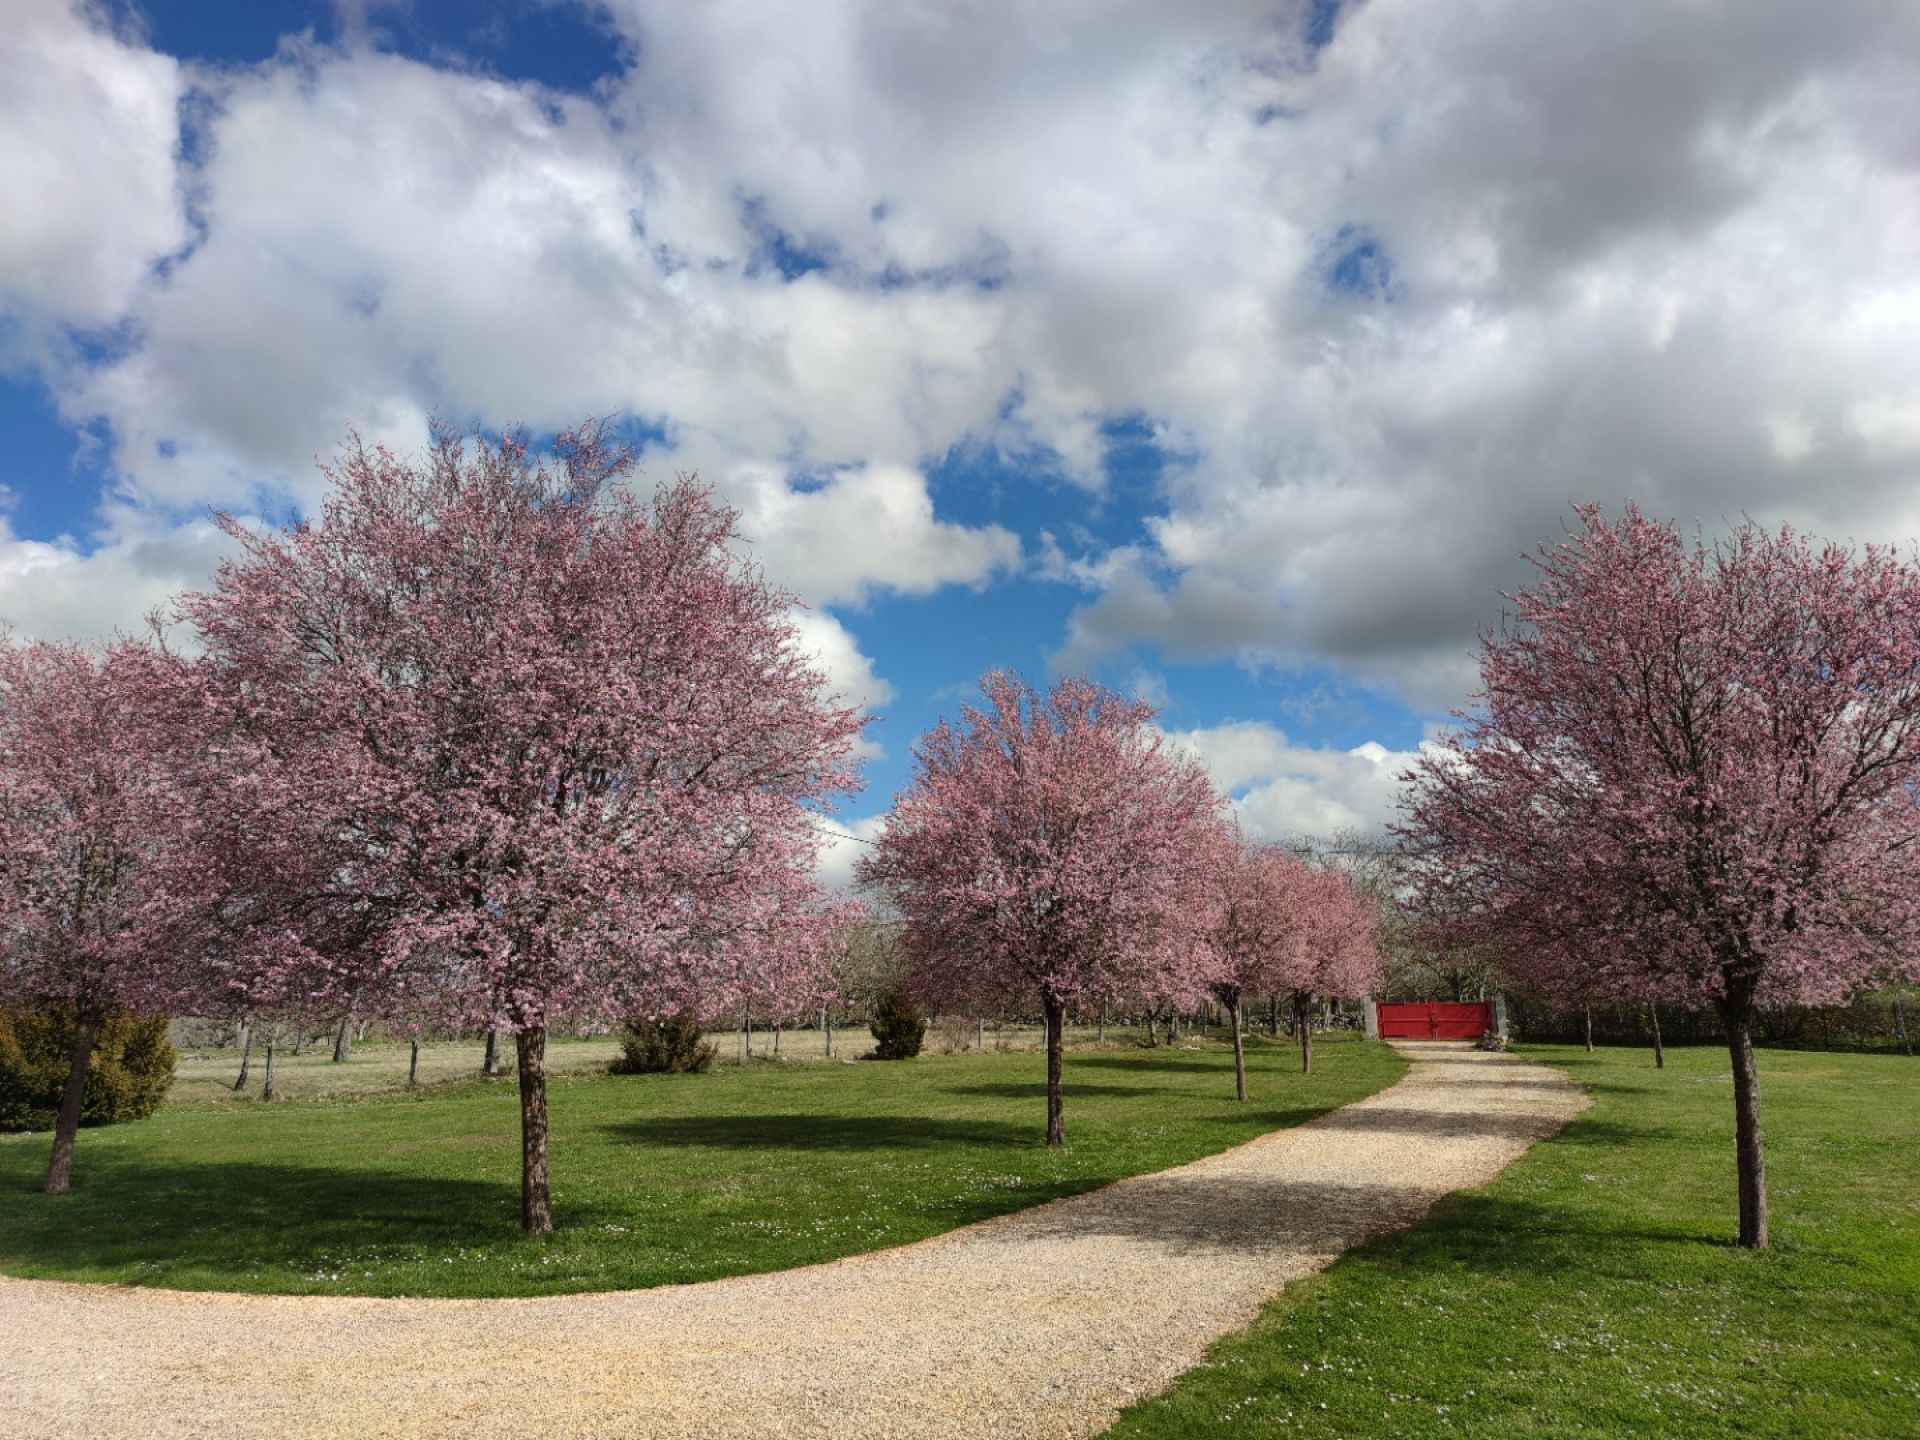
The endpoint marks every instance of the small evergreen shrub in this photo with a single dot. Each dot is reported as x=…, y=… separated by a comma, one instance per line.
x=131, y=1073
x=663, y=1047
x=898, y=1027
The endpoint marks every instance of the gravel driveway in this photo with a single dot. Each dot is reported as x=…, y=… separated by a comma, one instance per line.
x=1042, y=1323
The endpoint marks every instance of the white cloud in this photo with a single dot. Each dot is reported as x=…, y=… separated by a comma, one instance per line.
x=844, y=844
x=386, y=240
x=1282, y=791
x=1396, y=303
x=60, y=589
x=862, y=527
x=849, y=673
x=87, y=180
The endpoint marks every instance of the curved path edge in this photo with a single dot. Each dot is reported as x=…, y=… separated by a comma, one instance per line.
x=1044, y=1323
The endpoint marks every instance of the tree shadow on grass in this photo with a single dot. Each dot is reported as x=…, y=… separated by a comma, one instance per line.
x=1495, y=1235
x=231, y=1220
x=819, y=1132
x=1583, y=1131
x=1141, y=1064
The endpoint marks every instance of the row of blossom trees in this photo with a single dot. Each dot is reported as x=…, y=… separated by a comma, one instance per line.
x=491, y=742
x=1054, y=847
x=1692, y=779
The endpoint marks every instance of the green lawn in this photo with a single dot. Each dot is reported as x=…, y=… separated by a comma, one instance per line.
x=655, y=1179
x=1591, y=1290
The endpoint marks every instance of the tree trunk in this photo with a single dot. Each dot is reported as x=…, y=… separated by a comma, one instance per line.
x=1303, y=1023
x=1659, y=1050
x=776, y=1040
x=86, y=1029
x=1746, y=1112
x=1153, y=1036
x=1586, y=1012
x=1273, y=1015
x=1900, y=1028
x=826, y=1025
x=246, y=1055
x=413, y=1066
x=536, y=1206
x=1103, y=1024
x=1055, y=1017
x=266, y=1091
x=343, y=1040
x=746, y=1026
x=491, y=1064
x=1239, y=1049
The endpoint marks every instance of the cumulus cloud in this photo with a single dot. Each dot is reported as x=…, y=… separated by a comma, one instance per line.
x=87, y=175
x=385, y=240
x=1638, y=252
x=61, y=589
x=859, y=528
x=849, y=673
x=1285, y=791
x=841, y=848
x=1395, y=301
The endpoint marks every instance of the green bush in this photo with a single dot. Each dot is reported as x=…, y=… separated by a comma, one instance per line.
x=898, y=1026
x=663, y=1047
x=132, y=1068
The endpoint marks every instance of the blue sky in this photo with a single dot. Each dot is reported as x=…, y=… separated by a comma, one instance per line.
x=1230, y=352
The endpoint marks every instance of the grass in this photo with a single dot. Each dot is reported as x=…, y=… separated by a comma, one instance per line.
x=1593, y=1290
x=206, y=1075
x=656, y=1179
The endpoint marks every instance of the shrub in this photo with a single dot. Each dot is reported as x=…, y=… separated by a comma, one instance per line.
x=954, y=1033
x=132, y=1068
x=663, y=1047
x=898, y=1026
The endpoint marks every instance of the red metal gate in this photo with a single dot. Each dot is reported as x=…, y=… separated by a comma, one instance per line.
x=1436, y=1020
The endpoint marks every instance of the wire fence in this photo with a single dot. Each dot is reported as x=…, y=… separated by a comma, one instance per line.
x=1883, y=1021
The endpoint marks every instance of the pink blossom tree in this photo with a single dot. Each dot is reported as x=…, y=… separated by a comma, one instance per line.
x=502, y=744
x=1709, y=754
x=95, y=895
x=1260, y=943
x=1052, y=847
x=1336, y=953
